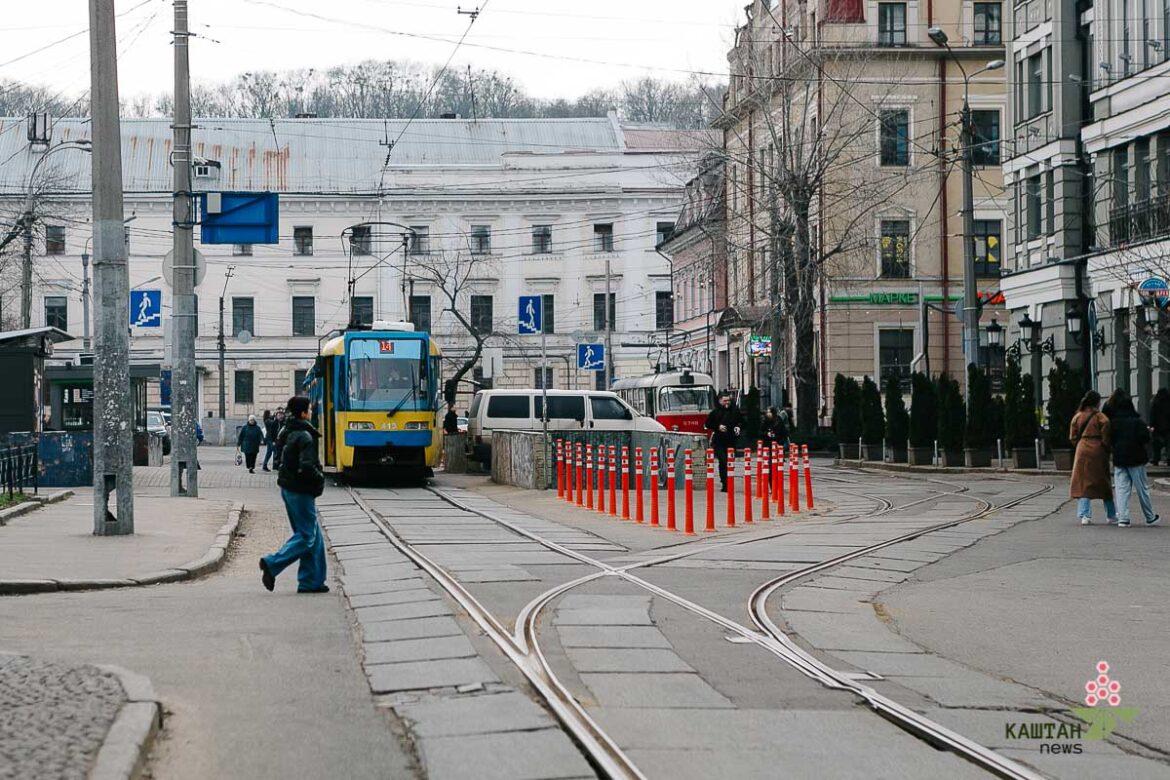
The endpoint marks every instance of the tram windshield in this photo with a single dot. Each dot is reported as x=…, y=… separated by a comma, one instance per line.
x=686, y=399
x=387, y=374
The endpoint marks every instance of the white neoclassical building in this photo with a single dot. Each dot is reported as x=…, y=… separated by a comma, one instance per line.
x=525, y=207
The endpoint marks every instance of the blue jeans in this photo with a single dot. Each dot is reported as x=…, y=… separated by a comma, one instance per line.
x=1085, y=509
x=269, y=452
x=305, y=545
x=1132, y=480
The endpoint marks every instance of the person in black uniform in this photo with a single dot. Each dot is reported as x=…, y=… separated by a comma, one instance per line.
x=451, y=420
x=774, y=430
x=725, y=423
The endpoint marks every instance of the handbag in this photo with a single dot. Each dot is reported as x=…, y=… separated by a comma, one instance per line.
x=239, y=459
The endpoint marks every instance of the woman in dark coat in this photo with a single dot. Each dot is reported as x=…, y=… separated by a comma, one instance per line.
x=1090, y=433
x=248, y=442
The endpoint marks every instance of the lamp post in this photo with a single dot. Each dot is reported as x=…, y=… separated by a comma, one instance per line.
x=966, y=148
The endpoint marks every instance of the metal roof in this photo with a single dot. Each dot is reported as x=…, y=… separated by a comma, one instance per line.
x=303, y=155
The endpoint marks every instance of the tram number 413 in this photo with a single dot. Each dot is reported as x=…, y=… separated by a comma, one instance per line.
x=386, y=346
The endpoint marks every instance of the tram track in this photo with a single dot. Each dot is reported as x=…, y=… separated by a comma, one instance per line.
x=522, y=645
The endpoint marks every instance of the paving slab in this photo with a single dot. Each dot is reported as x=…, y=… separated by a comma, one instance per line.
x=612, y=636
x=415, y=675
x=847, y=632
x=418, y=609
x=654, y=690
x=972, y=689
x=359, y=571
x=393, y=597
x=494, y=575
x=417, y=628
x=625, y=660
x=448, y=716
x=602, y=617
x=425, y=649
x=520, y=755
x=826, y=600
x=366, y=588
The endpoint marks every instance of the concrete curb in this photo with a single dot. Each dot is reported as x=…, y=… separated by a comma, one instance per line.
x=908, y=469
x=123, y=753
x=33, y=503
x=205, y=564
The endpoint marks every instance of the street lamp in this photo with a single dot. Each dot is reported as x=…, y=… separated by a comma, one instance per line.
x=994, y=333
x=966, y=143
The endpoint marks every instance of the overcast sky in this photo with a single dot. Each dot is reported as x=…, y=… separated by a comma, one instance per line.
x=552, y=47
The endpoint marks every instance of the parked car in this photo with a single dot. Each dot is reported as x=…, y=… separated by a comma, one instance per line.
x=461, y=424
x=157, y=423
x=569, y=410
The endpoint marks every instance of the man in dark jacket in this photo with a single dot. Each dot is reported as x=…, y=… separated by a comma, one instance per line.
x=1128, y=438
x=301, y=480
x=725, y=423
x=249, y=441
x=1160, y=422
x=271, y=429
x=451, y=420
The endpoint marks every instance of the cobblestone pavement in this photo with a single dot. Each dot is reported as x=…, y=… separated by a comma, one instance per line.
x=53, y=717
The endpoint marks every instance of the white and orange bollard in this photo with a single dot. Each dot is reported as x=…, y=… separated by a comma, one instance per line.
x=613, y=510
x=625, y=482
x=760, y=470
x=731, y=487
x=588, y=476
x=710, y=526
x=602, y=482
x=688, y=493
x=670, y=497
x=654, y=487
x=580, y=458
x=808, y=496
x=560, y=470
x=793, y=480
x=765, y=487
x=778, y=478
x=638, y=487
x=747, y=487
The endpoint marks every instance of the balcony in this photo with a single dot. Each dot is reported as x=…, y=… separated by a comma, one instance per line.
x=1139, y=221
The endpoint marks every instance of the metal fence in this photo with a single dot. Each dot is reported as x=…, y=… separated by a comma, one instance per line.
x=18, y=468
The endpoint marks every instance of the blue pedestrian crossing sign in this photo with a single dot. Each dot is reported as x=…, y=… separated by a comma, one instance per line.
x=531, y=315
x=146, y=308
x=591, y=357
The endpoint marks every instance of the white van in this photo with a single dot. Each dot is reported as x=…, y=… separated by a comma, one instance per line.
x=568, y=410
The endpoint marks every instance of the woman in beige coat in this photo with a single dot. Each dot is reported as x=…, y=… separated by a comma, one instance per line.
x=1089, y=433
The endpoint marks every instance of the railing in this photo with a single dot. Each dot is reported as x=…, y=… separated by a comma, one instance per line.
x=18, y=468
x=1140, y=221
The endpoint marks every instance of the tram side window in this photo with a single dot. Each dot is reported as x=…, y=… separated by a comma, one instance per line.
x=648, y=404
x=508, y=406
x=561, y=407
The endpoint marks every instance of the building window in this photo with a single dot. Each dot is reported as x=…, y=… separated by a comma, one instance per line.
x=1036, y=88
x=299, y=377
x=54, y=239
x=542, y=378
x=1141, y=169
x=895, y=353
x=891, y=24
x=599, y=321
x=987, y=247
x=359, y=240
x=57, y=312
x=243, y=316
x=420, y=240
x=541, y=239
x=895, y=248
x=985, y=129
x=242, y=250
x=664, y=231
x=603, y=237
x=895, y=137
x=1033, y=206
x=481, y=313
x=243, y=386
x=304, y=315
x=1050, y=202
x=664, y=310
x=302, y=240
x=126, y=237
x=362, y=310
x=548, y=313
x=420, y=312
x=481, y=239
x=987, y=24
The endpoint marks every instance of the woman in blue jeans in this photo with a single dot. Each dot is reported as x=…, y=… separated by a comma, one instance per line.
x=1089, y=432
x=1129, y=438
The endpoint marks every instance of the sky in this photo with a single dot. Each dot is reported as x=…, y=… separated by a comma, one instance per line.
x=552, y=47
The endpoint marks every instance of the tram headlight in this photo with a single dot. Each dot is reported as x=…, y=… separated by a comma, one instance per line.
x=417, y=425
x=361, y=426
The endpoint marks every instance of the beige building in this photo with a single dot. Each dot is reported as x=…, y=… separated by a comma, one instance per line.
x=853, y=103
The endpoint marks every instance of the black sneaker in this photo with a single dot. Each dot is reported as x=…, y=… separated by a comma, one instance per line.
x=265, y=468
x=268, y=579
x=1154, y=521
x=322, y=589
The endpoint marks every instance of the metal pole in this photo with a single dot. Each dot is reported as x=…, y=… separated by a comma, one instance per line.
x=608, y=368
x=85, y=301
x=184, y=465
x=222, y=369
x=26, y=269
x=544, y=387
x=970, y=294
x=113, y=470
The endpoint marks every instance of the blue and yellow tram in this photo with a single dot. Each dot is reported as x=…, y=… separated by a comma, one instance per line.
x=376, y=396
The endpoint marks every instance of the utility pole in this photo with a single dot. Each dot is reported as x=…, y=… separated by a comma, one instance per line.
x=608, y=371
x=970, y=293
x=113, y=470
x=184, y=458
x=223, y=349
x=26, y=269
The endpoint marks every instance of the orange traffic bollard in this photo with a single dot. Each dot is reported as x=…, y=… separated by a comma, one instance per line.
x=730, y=487
x=670, y=497
x=778, y=477
x=793, y=480
x=765, y=456
x=747, y=486
x=688, y=494
x=760, y=489
x=613, y=480
x=588, y=476
x=710, y=455
x=808, y=496
x=638, y=488
x=560, y=470
x=602, y=485
x=654, y=487
x=625, y=482
x=580, y=473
